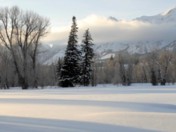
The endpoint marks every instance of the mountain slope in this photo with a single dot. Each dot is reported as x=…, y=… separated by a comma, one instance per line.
x=166, y=17
x=150, y=33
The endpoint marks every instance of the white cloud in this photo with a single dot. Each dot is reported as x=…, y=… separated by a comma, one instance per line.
x=107, y=30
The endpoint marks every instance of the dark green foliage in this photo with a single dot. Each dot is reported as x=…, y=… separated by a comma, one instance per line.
x=87, y=59
x=69, y=75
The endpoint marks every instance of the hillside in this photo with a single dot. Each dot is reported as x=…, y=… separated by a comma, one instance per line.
x=156, y=32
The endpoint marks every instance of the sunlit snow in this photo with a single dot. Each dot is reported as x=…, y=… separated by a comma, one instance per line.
x=101, y=109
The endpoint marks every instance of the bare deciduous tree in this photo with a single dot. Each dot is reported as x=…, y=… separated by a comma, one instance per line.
x=164, y=62
x=21, y=32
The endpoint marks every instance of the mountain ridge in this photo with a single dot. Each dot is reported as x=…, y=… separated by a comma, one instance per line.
x=106, y=49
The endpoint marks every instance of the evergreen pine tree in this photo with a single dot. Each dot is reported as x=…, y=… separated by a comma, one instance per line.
x=87, y=57
x=69, y=74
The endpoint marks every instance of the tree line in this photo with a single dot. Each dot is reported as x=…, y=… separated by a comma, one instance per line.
x=21, y=33
x=157, y=67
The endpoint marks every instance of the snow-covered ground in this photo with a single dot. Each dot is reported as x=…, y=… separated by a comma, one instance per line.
x=101, y=109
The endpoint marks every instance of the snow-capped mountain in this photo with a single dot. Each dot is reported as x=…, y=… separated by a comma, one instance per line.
x=107, y=49
x=113, y=18
x=165, y=17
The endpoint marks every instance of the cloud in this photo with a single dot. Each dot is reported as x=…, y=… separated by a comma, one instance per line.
x=107, y=30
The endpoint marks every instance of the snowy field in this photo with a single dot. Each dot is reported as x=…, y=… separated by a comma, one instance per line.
x=101, y=109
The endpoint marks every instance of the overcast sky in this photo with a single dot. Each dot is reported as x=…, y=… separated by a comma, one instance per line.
x=93, y=14
x=61, y=11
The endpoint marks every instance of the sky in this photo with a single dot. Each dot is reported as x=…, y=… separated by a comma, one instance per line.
x=61, y=11
x=95, y=12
